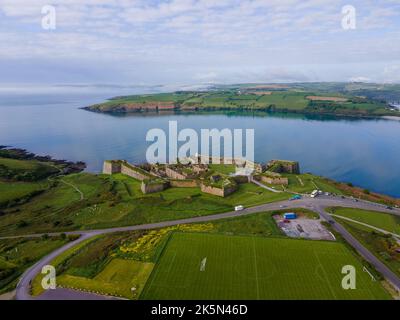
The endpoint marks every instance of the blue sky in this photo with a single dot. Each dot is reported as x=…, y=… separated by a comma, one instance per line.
x=146, y=42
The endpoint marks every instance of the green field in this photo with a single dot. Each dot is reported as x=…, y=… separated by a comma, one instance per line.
x=292, y=98
x=223, y=168
x=14, y=192
x=116, y=279
x=384, y=247
x=25, y=170
x=118, y=201
x=379, y=220
x=18, y=254
x=255, y=268
x=306, y=183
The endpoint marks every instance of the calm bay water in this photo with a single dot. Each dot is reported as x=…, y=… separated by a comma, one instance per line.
x=364, y=152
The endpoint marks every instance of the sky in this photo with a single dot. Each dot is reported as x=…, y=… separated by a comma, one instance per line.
x=152, y=42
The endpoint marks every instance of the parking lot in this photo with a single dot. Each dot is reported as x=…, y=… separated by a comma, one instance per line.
x=303, y=227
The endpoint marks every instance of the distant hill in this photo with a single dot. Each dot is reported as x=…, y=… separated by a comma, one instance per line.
x=344, y=99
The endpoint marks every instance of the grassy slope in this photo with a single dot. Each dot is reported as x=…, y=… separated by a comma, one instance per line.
x=380, y=220
x=116, y=201
x=255, y=268
x=306, y=183
x=24, y=184
x=291, y=100
x=18, y=254
x=382, y=246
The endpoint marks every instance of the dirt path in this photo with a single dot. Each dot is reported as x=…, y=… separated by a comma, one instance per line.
x=74, y=187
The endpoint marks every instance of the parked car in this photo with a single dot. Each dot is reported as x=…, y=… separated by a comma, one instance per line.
x=239, y=208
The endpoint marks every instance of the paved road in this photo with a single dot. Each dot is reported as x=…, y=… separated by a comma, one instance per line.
x=365, y=253
x=317, y=204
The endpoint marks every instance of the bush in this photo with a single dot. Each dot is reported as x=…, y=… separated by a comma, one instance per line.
x=73, y=237
x=22, y=224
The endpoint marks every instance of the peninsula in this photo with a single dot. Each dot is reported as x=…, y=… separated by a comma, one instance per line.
x=340, y=99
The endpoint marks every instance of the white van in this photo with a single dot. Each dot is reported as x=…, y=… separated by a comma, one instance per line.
x=314, y=193
x=239, y=208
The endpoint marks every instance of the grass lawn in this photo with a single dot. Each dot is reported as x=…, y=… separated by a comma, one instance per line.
x=380, y=220
x=306, y=183
x=207, y=266
x=118, y=201
x=18, y=254
x=19, y=164
x=117, y=279
x=223, y=168
x=25, y=170
x=10, y=191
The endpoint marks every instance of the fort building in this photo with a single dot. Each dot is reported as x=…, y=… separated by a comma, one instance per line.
x=283, y=166
x=191, y=172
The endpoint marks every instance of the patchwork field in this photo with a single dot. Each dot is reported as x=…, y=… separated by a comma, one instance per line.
x=285, y=99
x=208, y=266
x=121, y=278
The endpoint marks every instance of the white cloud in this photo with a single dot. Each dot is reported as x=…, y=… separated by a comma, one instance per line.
x=190, y=36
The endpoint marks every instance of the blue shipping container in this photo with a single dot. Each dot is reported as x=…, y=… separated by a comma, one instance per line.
x=290, y=216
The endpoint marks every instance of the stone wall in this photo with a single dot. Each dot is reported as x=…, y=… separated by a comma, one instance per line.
x=183, y=183
x=285, y=166
x=241, y=179
x=119, y=166
x=111, y=167
x=133, y=171
x=275, y=180
x=173, y=174
x=220, y=192
x=153, y=187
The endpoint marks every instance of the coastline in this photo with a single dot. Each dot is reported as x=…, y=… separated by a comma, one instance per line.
x=393, y=118
x=266, y=111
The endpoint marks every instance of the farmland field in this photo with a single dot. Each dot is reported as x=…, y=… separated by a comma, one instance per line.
x=117, y=279
x=208, y=266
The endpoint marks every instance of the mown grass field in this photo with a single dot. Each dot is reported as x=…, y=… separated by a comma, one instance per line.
x=255, y=268
x=380, y=220
x=116, y=279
